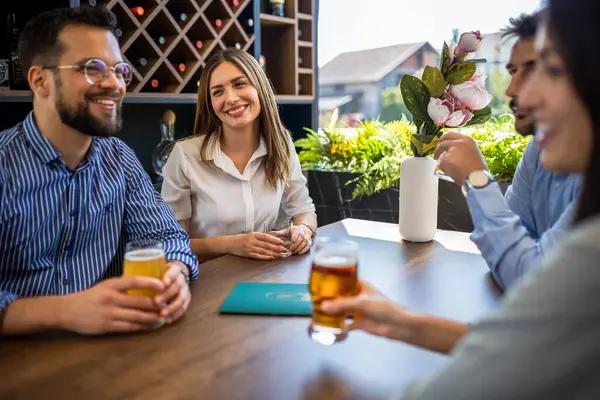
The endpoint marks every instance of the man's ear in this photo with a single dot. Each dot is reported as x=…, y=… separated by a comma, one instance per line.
x=38, y=81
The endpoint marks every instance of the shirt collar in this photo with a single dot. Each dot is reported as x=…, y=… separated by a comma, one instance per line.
x=40, y=145
x=221, y=160
x=44, y=149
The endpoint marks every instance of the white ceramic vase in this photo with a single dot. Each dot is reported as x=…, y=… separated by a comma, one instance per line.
x=418, y=199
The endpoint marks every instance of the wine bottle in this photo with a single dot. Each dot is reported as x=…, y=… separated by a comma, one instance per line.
x=216, y=23
x=137, y=11
x=250, y=23
x=4, y=66
x=4, y=73
x=141, y=62
x=300, y=60
x=161, y=40
x=263, y=63
x=276, y=7
x=183, y=17
x=234, y=3
x=181, y=67
x=92, y=3
x=154, y=83
x=16, y=74
x=118, y=33
x=199, y=44
x=238, y=46
x=161, y=152
x=299, y=34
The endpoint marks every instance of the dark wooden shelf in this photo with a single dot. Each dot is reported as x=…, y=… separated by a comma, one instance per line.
x=305, y=17
x=273, y=20
x=24, y=96
x=294, y=98
x=166, y=42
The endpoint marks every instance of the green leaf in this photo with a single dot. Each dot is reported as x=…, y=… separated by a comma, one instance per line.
x=422, y=145
x=460, y=73
x=434, y=81
x=480, y=116
x=445, y=56
x=477, y=61
x=415, y=96
x=418, y=123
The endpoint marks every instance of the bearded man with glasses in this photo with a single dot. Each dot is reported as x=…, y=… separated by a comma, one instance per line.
x=72, y=195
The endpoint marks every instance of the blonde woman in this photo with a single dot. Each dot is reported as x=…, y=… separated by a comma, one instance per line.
x=232, y=181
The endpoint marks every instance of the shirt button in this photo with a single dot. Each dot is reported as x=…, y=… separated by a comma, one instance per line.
x=66, y=282
x=73, y=214
x=557, y=185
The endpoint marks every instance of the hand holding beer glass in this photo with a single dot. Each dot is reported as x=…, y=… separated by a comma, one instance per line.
x=144, y=258
x=334, y=274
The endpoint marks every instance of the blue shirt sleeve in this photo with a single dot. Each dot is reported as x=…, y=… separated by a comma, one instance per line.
x=505, y=230
x=148, y=216
x=5, y=297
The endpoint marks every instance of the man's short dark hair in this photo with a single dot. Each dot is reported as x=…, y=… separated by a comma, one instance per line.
x=38, y=42
x=524, y=26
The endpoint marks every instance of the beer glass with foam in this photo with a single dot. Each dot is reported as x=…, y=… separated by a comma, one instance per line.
x=334, y=274
x=144, y=258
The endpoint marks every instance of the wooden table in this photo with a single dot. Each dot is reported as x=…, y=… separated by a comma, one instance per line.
x=212, y=356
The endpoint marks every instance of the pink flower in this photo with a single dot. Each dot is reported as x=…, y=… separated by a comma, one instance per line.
x=471, y=95
x=442, y=113
x=451, y=51
x=478, y=80
x=469, y=43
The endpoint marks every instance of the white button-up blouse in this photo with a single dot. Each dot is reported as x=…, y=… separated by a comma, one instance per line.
x=216, y=200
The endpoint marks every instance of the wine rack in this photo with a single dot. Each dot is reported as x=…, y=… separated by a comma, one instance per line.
x=168, y=42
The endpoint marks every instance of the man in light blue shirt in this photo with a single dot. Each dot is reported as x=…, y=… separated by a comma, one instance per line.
x=513, y=231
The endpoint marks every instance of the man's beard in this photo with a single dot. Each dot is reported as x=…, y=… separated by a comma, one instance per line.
x=81, y=119
x=526, y=130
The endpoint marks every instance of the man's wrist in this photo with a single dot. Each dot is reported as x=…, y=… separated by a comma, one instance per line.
x=183, y=268
x=58, y=312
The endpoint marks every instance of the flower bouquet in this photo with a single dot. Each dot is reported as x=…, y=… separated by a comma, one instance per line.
x=451, y=96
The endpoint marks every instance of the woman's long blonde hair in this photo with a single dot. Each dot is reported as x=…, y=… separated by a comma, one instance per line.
x=277, y=162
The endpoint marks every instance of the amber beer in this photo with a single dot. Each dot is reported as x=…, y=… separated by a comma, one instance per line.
x=334, y=274
x=144, y=259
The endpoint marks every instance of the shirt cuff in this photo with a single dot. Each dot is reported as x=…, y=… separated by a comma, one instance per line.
x=486, y=202
x=190, y=260
x=5, y=299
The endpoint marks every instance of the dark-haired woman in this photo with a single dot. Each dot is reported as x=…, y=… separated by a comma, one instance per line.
x=544, y=343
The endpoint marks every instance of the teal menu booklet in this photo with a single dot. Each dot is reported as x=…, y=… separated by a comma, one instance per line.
x=268, y=299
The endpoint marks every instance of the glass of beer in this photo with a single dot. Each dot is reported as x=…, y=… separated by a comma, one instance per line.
x=334, y=274
x=144, y=258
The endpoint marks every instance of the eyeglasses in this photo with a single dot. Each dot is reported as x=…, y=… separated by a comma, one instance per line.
x=96, y=71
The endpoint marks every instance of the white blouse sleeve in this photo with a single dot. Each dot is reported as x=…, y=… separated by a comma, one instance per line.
x=296, y=199
x=176, y=185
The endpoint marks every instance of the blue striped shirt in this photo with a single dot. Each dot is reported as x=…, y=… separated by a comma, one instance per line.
x=63, y=231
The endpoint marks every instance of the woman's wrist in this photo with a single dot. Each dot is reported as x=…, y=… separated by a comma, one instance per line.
x=406, y=324
x=228, y=243
x=306, y=230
